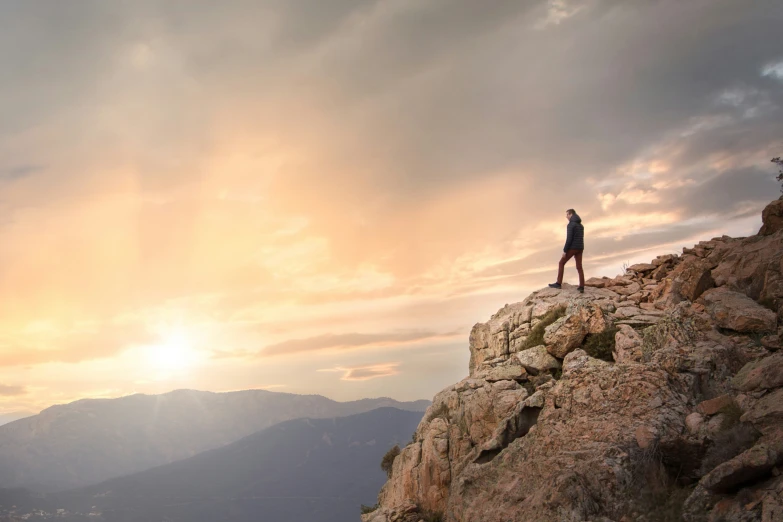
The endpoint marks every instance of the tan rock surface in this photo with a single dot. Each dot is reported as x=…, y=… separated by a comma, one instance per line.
x=690, y=366
x=738, y=312
x=772, y=218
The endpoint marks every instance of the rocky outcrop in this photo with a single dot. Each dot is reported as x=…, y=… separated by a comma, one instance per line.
x=738, y=312
x=772, y=218
x=656, y=386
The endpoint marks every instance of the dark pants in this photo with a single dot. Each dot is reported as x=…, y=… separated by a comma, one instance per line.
x=576, y=254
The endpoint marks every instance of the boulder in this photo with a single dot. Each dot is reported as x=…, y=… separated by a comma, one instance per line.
x=503, y=372
x=664, y=259
x=598, y=282
x=767, y=414
x=762, y=374
x=754, y=267
x=713, y=406
x=694, y=422
x=564, y=335
x=772, y=218
x=629, y=289
x=736, y=311
x=568, y=332
x=536, y=360
x=624, y=312
x=627, y=345
x=579, y=359
x=691, y=279
x=750, y=465
x=641, y=268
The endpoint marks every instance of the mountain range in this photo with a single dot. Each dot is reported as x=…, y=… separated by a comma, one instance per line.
x=89, y=441
x=318, y=470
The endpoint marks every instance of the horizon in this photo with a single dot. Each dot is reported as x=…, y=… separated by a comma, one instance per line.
x=323, y=200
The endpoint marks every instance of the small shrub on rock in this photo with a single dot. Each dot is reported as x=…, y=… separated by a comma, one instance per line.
x=387, y=463
x=728, y=444
x=652, y=492
x=368, y=509
x=600, y=345
x=536, y=336
x=430, y=516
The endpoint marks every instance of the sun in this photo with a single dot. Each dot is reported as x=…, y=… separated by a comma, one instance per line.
x=175, y=353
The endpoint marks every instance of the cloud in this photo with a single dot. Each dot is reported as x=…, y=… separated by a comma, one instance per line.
x=774, y=70
x=352, y=341
x=71, y=347
x=281, y=169
x=11, y=391
x=20, y=171
x=365, y=373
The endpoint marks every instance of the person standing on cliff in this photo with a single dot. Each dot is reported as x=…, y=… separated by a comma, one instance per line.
x=574, y=246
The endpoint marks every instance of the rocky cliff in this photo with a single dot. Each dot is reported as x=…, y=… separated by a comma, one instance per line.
x=656, y=395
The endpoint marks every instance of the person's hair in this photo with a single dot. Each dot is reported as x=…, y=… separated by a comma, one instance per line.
x=570, y=211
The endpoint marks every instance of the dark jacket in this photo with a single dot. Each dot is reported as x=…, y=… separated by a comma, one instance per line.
x=575, y=240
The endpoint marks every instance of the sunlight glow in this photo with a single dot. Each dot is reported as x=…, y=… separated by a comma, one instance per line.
x=175, y=353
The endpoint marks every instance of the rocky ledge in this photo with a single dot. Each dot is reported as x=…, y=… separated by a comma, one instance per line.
x=654, y=396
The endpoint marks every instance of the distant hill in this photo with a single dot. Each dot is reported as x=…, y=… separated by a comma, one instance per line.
x=92, y=440
x=314, y=470
x=5, y=418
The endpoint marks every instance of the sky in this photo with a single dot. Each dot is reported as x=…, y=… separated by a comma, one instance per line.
x=324, y=197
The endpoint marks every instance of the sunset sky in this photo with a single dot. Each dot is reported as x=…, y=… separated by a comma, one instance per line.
x=317, y=196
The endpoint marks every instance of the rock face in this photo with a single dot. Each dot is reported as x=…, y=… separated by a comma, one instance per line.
x=660, y=384
x=738, y=312
x=772, y=218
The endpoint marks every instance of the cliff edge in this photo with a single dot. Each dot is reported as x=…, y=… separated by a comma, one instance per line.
x=656, y=395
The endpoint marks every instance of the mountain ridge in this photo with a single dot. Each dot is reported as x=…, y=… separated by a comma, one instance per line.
x=303, y=469
x=91, y=440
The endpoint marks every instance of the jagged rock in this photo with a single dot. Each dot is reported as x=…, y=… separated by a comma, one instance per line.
x=489, y=452
x=505, y=372
x=629, y=289
x=598, y=282
x=568, y=332
x=753, y=267
x=661, y=272
x=627, y=345
x=405, y=512
x=507, y=331
x=570, y=465
x=694, y=422
x=713, y=406
x=579, y=359
x=772, y=218
x=537, y=360
x=772, y=502
x=564, y=335
x=762, y=374
x=738, y=312
x=771, y=342
x=752, y=464
x=767, y=414
x=641, y=268
x=460, y=418
x=624, y=312
x=664, y=259
x=640, y=320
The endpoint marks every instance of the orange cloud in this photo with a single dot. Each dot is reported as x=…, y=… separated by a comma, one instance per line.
x=10, y=390
x=365, y=373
